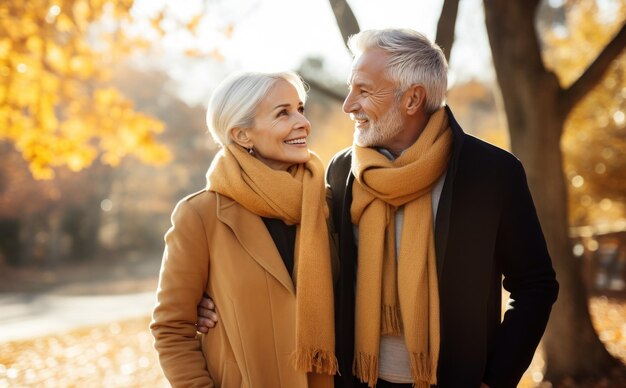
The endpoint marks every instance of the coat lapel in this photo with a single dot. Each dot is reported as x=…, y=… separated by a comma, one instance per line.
x=254, y=238
x=442, y=224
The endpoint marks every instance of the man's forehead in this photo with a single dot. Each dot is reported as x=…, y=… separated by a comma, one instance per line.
x=354, y=76
x=362, y=78
x=368, y=66
x=359, y=78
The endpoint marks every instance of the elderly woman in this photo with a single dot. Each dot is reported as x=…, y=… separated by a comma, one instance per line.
x=256, y=241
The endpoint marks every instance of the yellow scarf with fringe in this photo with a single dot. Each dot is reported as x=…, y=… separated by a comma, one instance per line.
x=297, y=197
x=398, y=298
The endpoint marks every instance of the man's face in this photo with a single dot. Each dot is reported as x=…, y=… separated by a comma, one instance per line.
x=372, y=101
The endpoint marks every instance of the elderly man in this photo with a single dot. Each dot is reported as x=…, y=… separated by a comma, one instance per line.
x=430, y=223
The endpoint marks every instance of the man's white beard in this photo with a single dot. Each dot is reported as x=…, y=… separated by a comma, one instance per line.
x=379, y=132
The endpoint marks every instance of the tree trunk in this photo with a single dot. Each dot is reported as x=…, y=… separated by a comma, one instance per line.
x=9, y=242
x=446, y=26
x=535, y=119
x=346, y=21
x=83, y=222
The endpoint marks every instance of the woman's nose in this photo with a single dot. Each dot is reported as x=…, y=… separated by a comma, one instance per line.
x=303, y=122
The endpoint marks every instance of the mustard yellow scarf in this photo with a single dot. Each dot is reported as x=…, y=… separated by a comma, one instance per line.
x=297, y=197
x=392, y=301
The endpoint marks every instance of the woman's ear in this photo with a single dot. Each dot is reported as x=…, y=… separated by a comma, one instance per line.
x=416, y=99
x=241, y=137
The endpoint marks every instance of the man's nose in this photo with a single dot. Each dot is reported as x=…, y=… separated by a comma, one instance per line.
x=349, y=104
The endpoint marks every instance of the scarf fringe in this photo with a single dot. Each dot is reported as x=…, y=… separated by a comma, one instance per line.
x=366, y=368
x=421, y=369
x=391, y=321
x=316, y=361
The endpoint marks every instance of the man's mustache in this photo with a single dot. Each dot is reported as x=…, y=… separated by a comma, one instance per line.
x=359, y=116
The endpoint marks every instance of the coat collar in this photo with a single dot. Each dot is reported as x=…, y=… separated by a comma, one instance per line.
x=253, y=236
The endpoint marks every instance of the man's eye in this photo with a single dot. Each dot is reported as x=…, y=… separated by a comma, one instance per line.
x=301, y=109
x=282, y=113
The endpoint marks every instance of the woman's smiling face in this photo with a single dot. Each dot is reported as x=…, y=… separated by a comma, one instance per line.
x=279, y=135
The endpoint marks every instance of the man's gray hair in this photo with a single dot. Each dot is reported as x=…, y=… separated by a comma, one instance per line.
x=413, y=59
x=235, y=101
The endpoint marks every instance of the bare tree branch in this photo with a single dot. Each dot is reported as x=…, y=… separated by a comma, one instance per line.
x=594, y=73
x=445, y=26
x=346, y=21
x=325, y=90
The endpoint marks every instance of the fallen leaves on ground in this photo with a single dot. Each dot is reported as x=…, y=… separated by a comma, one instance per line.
x=609, y=319
x=120, y=354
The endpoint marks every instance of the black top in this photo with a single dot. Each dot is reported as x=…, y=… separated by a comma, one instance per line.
x=284, y=237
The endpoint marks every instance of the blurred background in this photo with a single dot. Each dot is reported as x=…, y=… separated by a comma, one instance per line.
x=102, y=131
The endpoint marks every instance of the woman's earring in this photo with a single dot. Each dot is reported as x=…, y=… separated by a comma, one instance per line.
x=250, y=150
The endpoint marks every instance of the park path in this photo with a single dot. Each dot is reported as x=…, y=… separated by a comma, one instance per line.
x=27, y=315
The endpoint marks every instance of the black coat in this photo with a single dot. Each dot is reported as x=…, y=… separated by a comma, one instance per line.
x=486, y=230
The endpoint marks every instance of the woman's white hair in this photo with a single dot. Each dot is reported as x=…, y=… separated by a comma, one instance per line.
x=413, y=59
x=234, y=102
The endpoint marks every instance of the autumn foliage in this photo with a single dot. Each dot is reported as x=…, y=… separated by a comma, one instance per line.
x=55, y=105
x=593, y=141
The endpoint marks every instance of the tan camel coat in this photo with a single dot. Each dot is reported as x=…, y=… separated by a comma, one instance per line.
x=216, y=246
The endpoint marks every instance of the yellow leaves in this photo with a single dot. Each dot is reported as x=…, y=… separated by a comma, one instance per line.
x=192, y=25
x=47, y=150
x=22, y=93
x=126, y=132
x=49, y=83
x=80, y=157
x=53, y=106
x=216, y=54
x=3, y=94
x=142, y=43
x=64, y=23
x=82, y=66
x=594, y=128
x=41, y=171
x=56, y=57
x=121, y=8
x=81, y=13
x=17, y=127
x=193, y=53
x=5, y=48
x=111, y=158
x=155, y=154
x=156, y=22
x=112, y=354
x=569, y=54
x=35, y=150
x=34, y=44
x=46, y=115
x=106, y=97
x=53, y=12
x=228, y=31
x=27, y=27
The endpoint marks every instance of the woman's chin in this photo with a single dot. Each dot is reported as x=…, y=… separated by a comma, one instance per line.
x=302, y=156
